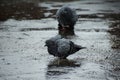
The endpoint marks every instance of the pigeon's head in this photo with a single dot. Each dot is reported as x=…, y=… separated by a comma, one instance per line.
x=49, y=43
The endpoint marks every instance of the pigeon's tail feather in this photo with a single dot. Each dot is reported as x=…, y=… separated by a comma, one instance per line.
x=79, y=47
x=66, y=16
x=74, y=48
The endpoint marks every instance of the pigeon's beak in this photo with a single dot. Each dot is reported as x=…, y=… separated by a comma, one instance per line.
x=45, y=45
x=83, y=47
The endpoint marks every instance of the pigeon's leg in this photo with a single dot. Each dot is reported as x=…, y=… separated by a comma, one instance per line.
x=58, y=62
x=66, y=31
x=64, y=57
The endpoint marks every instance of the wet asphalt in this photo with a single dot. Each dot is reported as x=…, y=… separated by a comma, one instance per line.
x=26, y=25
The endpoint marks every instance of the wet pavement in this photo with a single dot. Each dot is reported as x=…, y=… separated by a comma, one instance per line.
x=25, y=25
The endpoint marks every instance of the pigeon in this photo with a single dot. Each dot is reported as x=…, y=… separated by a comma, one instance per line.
x=61, y=47
x=66, y=17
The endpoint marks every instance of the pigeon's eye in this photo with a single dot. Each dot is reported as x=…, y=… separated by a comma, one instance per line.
x=57, y=16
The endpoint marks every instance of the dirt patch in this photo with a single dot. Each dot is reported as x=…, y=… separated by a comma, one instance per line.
x=21, y=11
x=115, y=30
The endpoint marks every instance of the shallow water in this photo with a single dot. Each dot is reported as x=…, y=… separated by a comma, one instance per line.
x=23, y=33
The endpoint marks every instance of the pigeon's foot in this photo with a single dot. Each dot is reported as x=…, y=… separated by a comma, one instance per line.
x=65, y=31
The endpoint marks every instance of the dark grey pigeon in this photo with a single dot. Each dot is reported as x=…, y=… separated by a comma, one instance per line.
x=66, y=17
x=62, y=48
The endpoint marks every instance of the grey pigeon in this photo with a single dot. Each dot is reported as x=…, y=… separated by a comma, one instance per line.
x=66, y=17
x=62, y=48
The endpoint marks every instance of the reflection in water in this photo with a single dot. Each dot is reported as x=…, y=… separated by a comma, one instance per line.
x=63, y=63
x=59, y=67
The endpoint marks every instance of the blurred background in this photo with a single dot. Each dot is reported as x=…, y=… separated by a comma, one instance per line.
x=27, y=9
x=37, y=9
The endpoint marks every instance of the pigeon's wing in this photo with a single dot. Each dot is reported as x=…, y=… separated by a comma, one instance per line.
x=63, y=46
x=55, y=38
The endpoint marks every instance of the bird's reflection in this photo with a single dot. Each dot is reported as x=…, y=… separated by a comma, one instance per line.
x=59, y=67
x=63, y=63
